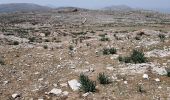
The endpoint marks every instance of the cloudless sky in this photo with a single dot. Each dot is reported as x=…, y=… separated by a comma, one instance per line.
x=97, y=3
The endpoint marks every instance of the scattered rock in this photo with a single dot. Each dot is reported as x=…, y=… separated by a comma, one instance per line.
x=86, y=94
x=74, y=84
x=65, y=93
x=15, y=95
x=55, y=91
x=159, y=70
x=145, y=76
x=157, y=80
x=125, y=82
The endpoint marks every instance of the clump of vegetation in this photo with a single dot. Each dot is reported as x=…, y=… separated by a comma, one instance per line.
x=168, y=73
x=104, y=39
x=140, y=89
x=87, y=85
x=71, y=48
x=15, y=43
x=107, y=51
x=32, y=39
x=45, y=47
x=136, y=57
x=137, y=38
x=1, y=61
x=103, y=79
x=162, y=37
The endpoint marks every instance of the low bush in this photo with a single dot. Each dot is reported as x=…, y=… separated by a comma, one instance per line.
x=87, y=85
x=136, y=57
x=103, y=79
x=107, y=51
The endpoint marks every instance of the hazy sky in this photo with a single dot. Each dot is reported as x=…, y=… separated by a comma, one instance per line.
x=97, y=3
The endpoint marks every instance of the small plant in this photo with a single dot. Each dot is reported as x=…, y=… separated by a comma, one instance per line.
x=107, y=51
x=162, y=37
x=168, y=73
x=104, y=39
x=137, y=38
x=140, y=89
x=136, y=57
x=15, y=43
x=71, y=48
x=32, y=39
x=1, y=61
x=112, y=51
x=86, y=84
x=103, y=79
x=45, y=47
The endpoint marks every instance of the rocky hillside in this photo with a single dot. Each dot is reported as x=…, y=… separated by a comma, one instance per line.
x=25, y=7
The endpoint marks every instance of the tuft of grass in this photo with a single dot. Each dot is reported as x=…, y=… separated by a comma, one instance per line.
x=162, y=37
x=71, y=48
x=45, y=47
x=103, y=79
x=15, y=43
x=2, y=61
x=168, y=73
x=87, y=85
x=107, y=51
x=104, y=39
x=136, y=57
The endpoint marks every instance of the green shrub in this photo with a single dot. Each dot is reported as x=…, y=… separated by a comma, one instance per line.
x=71, y=48
x=162, y=37
x=1, y=61
x=45, y=47
x=86, y=84
x=104, y=39
x=112, y=51
x=15, y=43
x=168, y=73
x=136, y=57
x=107, y=51
x=103, y=79
x=32, y=39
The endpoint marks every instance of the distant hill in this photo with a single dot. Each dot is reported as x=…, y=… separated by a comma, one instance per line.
x=15, y=7
x=118, y=8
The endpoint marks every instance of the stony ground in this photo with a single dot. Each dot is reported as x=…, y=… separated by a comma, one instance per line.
x=45, y=62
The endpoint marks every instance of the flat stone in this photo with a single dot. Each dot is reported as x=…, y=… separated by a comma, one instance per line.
x=74, y=84
x=15, y=95
x=145, y=76
x=55, y=91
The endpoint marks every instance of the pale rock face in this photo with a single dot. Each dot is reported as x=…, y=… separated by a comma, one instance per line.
x=55, y=91
x=74, y=84
x=145, y=76
x=160, y=71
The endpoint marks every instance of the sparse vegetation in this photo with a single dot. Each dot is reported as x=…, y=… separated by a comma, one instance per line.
x=87, y=85
x=136, y=57
x=15, y=43
x=103, y=79
x=107, y=51
x=1, y=61
x=71, y=47
x=162, y=37
x=45, y=47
